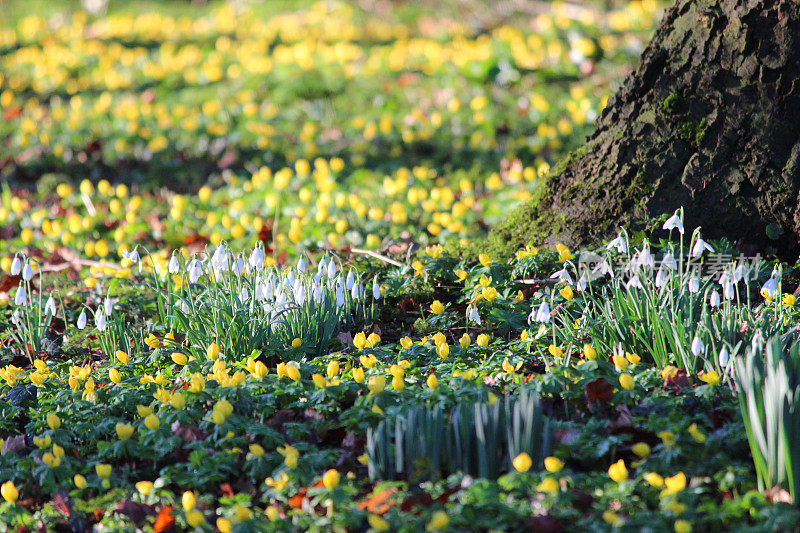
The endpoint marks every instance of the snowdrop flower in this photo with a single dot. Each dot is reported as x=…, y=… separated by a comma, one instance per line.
x=700, y=246
x=322, y=265
x=661, y=278
x=714, y=299
x=238, y=266
x=723, y=358
x=669, y=262
x=770, y=288
x=673, y=222
x=473, y=316
x=728, y=290
x=603, y=268
x=16, y=318
x=50, y=306
x=645, y=258
x=16, y=266
x=376, y=289
x=543, y=313
x=257, y=258
x=219, y=261
x=244, y=295
x=195, y=271
x=289, y=281
x=562, y=275
x=618, y=243
x=740, y=272
x=109, y=307
x=131, y=256
x=355, y=291
x=331, y=268
x=634, y=282
x=694, y=285
x=81, y=320
x=339, y=295
x=582, y=281
x=27, y=273
x=350, y=280
x=697, y=346
x=100, y=320
x=173, y=265
x=757, y=342
x=301, y=265
x=21, y=297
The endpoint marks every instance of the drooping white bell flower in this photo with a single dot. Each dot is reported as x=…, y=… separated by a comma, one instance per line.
x=697, y=346
x=694, y=285
x=16, y=266
x=723, y=357
x=473, y=315
x=331, y=268
x=301, y=265
x=355, y=292
x=714, y=300
x=257, y=258
x=618, y=243
x=728, y=290
x=21, y=297
x=108, y=306
x=219, y=261
x=562, y=276
x=50, y=307
x=100, y=320
x=195, y=271
x=700, y=246
x=661, y=278
x=543, y=313
x=173, y=265
x=376, y=289
x=350, y=280
x=673, y=222
x=27, y=273
x=81, y=320
x=770, y=288
x=669, y=262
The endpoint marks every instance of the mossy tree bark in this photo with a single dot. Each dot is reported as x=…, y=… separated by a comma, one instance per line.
x=710, y=120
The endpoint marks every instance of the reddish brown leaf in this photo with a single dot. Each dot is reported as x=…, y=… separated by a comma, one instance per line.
x=599, y=390
x=164, y=521
x=378, y=503
x=226, y=491
x=135, y=512
x=9, y=282
x=677, y=381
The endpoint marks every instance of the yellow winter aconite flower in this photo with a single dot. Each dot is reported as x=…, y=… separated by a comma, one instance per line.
x=296, y=343
x=124, y=431
x=437, y=308
x=212, y=351
x=641, y=449
x=360, y=340
x=522, y=462
x=696, y=434
x=290, y=455
x=683, y=526
x=432, y=382
x=712, y=378
x=464, y=341
x=674, y=484
x=555, y=351
x=620, y=363
x=332, y=369
x=188, y=500
x=80, y=481
x=9, y=492
x=482, y=340
x=564, y=253
x=195, y=518
x=589, y=352
x=654, y=480
x=292, y=372
x=358, y=375
x=330, y=479
x=548, y=485
x=567, y=293
x=618, y=472
x=667, y=438
x=485, y=260
x=144, y=487
x=626, y=381
x=179, y=358
x=122, y=357
x=553, y=464
x=376, y=384
x=438, y=522
x=103, y=470
x=152, y=422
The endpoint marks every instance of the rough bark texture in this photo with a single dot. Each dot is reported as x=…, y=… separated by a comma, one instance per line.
x=710, y=120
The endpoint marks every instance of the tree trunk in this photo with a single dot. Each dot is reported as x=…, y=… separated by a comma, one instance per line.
x=710, y=120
